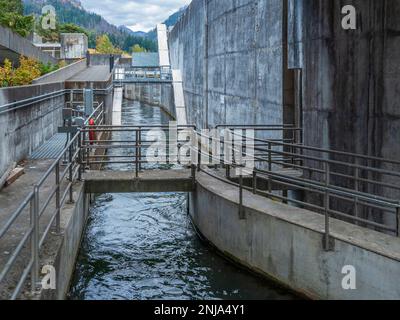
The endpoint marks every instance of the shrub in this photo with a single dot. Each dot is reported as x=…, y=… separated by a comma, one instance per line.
x=6, y=74
x=28, y=70
x=23, y=25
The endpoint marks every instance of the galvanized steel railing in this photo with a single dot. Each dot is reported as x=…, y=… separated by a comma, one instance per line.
x=277, y=150
x=60, y=191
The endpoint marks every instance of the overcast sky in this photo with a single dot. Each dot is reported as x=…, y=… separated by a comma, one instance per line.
x=139, y=15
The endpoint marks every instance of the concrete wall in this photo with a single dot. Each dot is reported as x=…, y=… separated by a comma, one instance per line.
x=351, y=81
x=73, y=45
x=155, y=94
x=61, y=253
x=101, y=59
x=12, y=45
x=230, y=55
x=62, y=74
x=285, y=244
x=24, y=129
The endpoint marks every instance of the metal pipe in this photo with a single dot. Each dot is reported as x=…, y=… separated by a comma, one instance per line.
x=398, y=220
x=136, y=154
x=58, y=199
x=242, y=214
x=327, y=208
x=254, y=181
x=71, y=191
x=35, y=238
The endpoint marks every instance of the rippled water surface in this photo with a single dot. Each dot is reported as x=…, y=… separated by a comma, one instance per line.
x=143, y=246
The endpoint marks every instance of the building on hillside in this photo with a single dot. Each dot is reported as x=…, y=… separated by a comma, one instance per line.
x=73, y=46
x=52, y=48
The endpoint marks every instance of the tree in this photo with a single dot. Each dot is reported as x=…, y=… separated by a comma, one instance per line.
x=137, y=48
x=11, y=6
x=148, y=45
x=11, y=16
x=72, y=28
x=105, y=46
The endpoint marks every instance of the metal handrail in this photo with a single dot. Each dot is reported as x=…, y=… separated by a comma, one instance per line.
x=80, y=157
x=36, y=211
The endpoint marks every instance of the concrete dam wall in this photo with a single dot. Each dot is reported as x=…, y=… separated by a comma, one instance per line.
x=230, y=55
x=154, y=94
x=291, y=62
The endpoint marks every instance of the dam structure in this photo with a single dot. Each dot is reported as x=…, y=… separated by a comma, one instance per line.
x=262, y=127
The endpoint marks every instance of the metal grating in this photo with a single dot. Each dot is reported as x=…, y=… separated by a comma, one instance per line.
x=51, y=149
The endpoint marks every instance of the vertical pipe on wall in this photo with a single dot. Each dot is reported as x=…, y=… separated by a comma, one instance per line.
x=206, y=120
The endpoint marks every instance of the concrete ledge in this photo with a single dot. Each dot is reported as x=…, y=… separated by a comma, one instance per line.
x=17, y=45
x=285, y=243
x=148, y=181
x=62, y=74
x=61, y=252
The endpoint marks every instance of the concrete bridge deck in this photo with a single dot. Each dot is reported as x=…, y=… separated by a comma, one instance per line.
x=148, y=181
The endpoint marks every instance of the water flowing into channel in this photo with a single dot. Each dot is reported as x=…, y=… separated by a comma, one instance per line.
x=143, y=246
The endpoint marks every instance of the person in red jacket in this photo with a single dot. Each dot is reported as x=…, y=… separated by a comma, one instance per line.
x=92, y=133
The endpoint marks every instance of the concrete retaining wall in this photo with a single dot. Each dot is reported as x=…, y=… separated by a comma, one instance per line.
x=62, y=74
x=285, y=243
x=101, y=59
x=156, y=94
x=12, y=45
x=66, y=248
x=26, y=128
x=232, y=69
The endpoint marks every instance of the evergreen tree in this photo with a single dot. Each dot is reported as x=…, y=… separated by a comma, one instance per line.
x=11, y=16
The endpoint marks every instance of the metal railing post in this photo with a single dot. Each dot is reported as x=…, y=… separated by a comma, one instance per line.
x=80, y=157
x=193, y=176
x=241, y=208
x=140, y=149
x=269, y=156
x=35, y=239
x=356, y=188
x=58, y=199
x=199, y=155
x=398, y=220
x=71, y=177
x=136, y=154
x=254, y=181
x=327, y=238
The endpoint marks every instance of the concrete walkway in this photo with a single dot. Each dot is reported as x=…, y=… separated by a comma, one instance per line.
x=11, y=198
x=92, y=74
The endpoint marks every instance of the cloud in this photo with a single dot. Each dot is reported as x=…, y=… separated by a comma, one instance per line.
x=139, y=15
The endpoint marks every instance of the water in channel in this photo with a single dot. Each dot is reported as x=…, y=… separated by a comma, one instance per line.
x=143, y=246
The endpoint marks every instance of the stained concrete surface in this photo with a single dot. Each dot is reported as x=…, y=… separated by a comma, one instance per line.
x=11, y=198
x=92, y=74
x=285, y=243
x=98, y=182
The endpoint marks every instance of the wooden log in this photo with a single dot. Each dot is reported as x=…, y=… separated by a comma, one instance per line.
x=5, y=176
x=15, y=174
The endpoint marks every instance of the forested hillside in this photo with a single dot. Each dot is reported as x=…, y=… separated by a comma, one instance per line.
x=71, y=11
